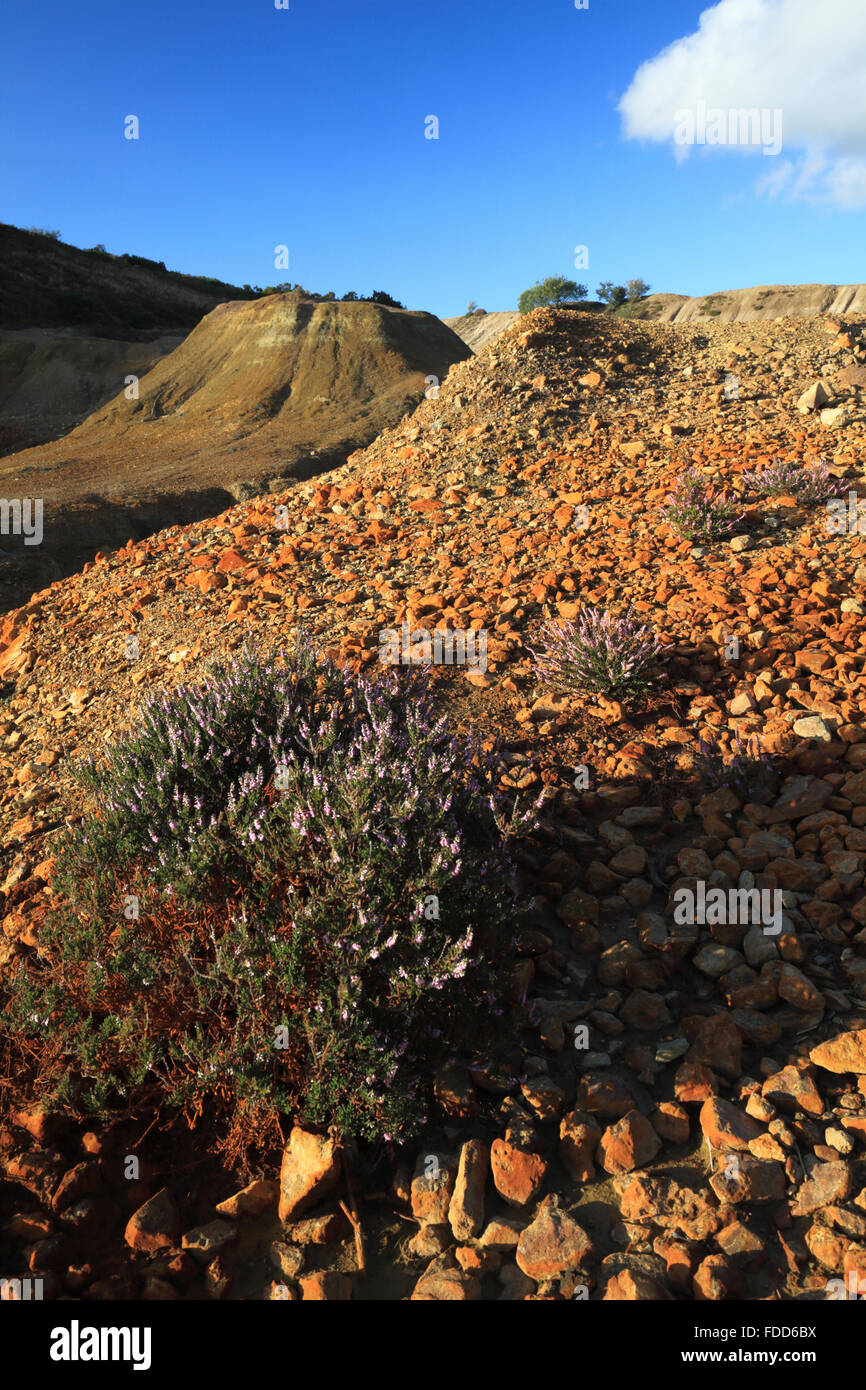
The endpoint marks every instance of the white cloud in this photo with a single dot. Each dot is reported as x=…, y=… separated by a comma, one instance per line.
x=802, y=58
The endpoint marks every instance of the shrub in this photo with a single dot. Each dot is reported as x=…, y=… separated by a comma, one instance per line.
x=325, y=904
x=635, y=290
x=45, y=231
x=811, y=485
x=380, y=297
x=554, y=290
x=611, y=294
x=750, y=773
x=697, y=512
x=597, y=653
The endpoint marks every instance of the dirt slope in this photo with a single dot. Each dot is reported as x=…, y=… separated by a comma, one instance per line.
x=277, y=387
x=477, y=330
x=703, y=1039
x=760, y=302
x=51, y=379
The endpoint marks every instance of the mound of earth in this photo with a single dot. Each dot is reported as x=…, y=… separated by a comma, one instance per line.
x=658, y=1050
x=759, y=302
x=275, y=388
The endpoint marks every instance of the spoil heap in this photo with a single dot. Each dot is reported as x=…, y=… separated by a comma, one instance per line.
x=704, y=1137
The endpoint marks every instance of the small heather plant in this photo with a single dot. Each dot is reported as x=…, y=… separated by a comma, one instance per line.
x=295, y=895
x=597, y=653
x=749, y=773
x=697, y=512
x=811, y=485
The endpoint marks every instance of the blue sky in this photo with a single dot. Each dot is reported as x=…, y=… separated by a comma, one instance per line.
x=305, y=127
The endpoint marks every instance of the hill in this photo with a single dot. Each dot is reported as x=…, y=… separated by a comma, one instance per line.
x=271, y=389
x=45, y=283
x=761, y=302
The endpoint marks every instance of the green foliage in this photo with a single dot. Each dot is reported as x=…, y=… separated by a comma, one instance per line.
x=612, y=294
x=554, y=290
x=44, y=231
x=380, y=297
x=636, y=290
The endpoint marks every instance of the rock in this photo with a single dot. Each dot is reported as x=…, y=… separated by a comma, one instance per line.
x=645, y=1011
x=154, y=1226
x=432, y=1187
x=797, y=989
x=813, y=398
x=466, y=1209
x=310, y=1171
x=552, y=1245
x=718, y=1045
x=671, y=1121
x=607, y=1096
x=252, y=1200
x=318, y=1230
x=328, y=1285
x=813, y=727
x=503, y=1233
x=429, y=1242
x=518, y=1176
x=725, y=1126
x=42, y=1124
x=748, y=1179
x=793, y=1088
x=203, y=1242
x=545, y=1097
x=844, y=1053
x=579, y=1135
x=83, y=1180
x=444, y=1281
x=672, y=1205
x=288, y=1259
x=695, y=1083
x=628, y=1144
x=740, y=1245
x=634, y=1286
x=716, y=1278
x=828, y=1184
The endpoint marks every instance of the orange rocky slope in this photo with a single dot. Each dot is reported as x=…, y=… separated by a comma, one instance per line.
x=464, y=516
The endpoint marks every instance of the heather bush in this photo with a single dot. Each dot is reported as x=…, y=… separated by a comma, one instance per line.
x=293, y=894
x=697, y=512
x=597, y=653
x=749, y=772
x=811, y=486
